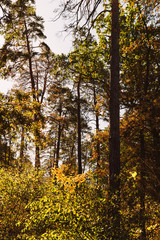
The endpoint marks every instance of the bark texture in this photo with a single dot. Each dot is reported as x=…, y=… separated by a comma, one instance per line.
x=114, y=141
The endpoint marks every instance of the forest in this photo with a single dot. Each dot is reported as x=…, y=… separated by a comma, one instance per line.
x=80, y=132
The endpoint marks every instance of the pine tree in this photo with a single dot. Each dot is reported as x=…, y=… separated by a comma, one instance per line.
x=25, y=60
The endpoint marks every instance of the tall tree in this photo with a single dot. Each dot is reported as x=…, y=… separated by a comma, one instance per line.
x=140, y=88
x=80, y=8
x=23, y=56
x=114, y=140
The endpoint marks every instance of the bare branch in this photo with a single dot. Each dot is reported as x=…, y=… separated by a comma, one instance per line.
x=78, y=11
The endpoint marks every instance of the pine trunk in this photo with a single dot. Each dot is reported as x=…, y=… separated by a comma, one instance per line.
x=59, y=136
x=79, y=127
x=142, y=186
x=22, y=148
x=97, y=127
x=114, y=141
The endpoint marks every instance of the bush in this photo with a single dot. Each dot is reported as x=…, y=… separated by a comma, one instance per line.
x=35, y=206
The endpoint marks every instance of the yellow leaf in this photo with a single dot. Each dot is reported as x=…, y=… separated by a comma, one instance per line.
x=133, y=174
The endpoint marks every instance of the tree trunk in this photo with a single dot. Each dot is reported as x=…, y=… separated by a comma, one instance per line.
x=30, y=62
x=142, y=186
x=37, y=157
x=59, y=135
x=79, y=127
x=97, y=126
x=21, y=157
x=156, y=149
x=9, y=151
x=5, y=155
x=142, y=150
x=114, y=140
x=37, y=148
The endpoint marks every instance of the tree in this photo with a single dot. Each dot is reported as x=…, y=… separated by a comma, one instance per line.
x=15, y=124
x=140, y=87
x=81, y=7
x=66, y=104
x=114, y=143
x=23, y=57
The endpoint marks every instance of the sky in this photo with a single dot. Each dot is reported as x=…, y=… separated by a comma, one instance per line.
x=58, y=40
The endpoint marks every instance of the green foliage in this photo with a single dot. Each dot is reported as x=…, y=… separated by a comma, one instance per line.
x=35, y=206
x=17, y=190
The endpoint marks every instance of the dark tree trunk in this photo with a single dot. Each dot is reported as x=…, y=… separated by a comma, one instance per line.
x=5, y=156
x=79, y=127
x=142, y=151
x=114, y=141
x=97, y=126
x=37, y=148
x=9, y=151
x=37, y=157
x=21, y=157
x=59, y=135
x=36, y=136
x=156, y=148
x=30, y=62
x=58, y=145
x=142, y=186
x=53, y=161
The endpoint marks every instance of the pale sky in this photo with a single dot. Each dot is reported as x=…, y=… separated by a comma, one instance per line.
x=58, y=41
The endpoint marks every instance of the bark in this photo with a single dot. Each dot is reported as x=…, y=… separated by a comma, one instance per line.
x=59, y=135
x=53, y=163
x=97, y=127
x=30, y=61
x=5, y=156
x=114, y=141
x=156, y=146
x=37, y=157
x=142, y=186
x=156, y=166
x=9, y=151
x=142, y=151
x=79, y=127
x=21, y=157
x=37, y=148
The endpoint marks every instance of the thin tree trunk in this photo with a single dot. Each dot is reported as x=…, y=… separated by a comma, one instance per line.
x=21, y=157
x=114, y=140
x=142, y=186
x=97, y=127
x=79, y=127
x=59, y=135
x=37, y=148
x=9, y=151
x=156, y=147
x=5, y=156
x=54, y=154
x=30, y=62
x=58, y=144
